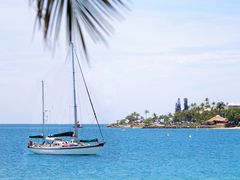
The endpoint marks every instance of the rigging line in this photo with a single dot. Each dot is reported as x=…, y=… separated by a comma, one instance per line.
x=89, y=96
x=68, y=52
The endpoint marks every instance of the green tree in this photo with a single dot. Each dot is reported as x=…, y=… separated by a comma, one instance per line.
x=213, y=106
x=167, y=119
x=146, y=112
x=202, y=105
x=233, y=116
x=207, y=104
x=220, y=108
x=155, y=117
x=133, y=117
x=220, y=105
x=148, y=121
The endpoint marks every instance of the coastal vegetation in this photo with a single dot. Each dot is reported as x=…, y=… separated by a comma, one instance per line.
x=195, y=115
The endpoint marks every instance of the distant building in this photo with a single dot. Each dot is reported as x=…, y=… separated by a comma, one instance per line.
x=185, y=104
x=217, y=120
x=233, y=106
x=127, y=121
x=138, y=121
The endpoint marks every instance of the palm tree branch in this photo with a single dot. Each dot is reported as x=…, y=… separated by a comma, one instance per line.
x=92, y=15
x=97, y=17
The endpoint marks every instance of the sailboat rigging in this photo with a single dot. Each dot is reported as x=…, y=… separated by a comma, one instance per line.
x=58, y=145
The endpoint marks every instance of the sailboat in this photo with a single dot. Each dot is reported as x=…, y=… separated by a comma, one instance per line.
x=56, y=143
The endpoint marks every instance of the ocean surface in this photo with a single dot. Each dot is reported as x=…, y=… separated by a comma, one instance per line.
x=128, y=154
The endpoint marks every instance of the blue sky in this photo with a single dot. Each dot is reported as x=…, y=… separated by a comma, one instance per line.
x=161, y=51
x=189, y=6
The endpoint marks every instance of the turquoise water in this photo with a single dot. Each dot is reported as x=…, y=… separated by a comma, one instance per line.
x=128, y=154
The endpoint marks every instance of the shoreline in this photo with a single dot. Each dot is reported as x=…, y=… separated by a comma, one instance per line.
x=229, y=128
x=170, y=127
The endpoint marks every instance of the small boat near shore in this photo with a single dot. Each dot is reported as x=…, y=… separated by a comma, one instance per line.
x=67, y=142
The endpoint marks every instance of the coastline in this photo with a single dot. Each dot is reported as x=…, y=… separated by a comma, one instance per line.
x=229, y=128
x=170, y=127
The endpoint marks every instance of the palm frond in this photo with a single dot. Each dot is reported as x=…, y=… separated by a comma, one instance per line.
x=93, y=17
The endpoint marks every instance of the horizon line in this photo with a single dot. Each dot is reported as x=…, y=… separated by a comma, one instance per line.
x=45, y=124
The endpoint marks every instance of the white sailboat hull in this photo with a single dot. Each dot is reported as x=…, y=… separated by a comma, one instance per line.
x=85, y=150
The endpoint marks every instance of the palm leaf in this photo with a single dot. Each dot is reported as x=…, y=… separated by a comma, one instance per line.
x=92, y=17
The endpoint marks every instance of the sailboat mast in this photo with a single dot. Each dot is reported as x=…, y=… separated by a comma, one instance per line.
x=43, y=109
x=74, y=95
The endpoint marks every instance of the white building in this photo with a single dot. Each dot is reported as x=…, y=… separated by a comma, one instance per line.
x=234, y=105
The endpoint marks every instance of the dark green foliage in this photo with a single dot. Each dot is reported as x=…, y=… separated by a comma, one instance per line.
x=133, y=117
x=205, y=111
x=233, y=116
x=148, y=121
